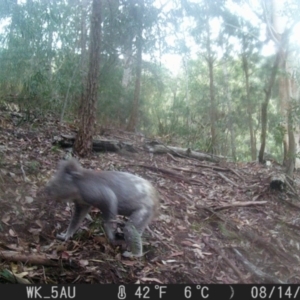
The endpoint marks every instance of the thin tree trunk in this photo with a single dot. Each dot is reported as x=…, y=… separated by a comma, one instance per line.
x=187, y=98
x=290, y=95
x=84, y=139
x=291, y=157
x=210, y=62
x=249, y=107
x=230, y=123
x=135, y=107
x=126, y=79
x=264, y=108
x=133, y=120
x=83, y=39
x=280, y=37
x=82, y=65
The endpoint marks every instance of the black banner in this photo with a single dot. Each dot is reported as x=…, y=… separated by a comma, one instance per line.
x=151, y=292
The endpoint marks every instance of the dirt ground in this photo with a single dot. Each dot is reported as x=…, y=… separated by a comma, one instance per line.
x=218, y=223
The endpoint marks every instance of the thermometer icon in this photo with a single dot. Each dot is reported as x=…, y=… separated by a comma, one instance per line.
x=121, y=294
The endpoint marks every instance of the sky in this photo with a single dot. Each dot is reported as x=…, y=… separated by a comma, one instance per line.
x=174, y=62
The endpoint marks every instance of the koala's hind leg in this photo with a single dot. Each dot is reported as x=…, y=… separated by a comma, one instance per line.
x=79, y=213
x=109, y=231
x=133, y=231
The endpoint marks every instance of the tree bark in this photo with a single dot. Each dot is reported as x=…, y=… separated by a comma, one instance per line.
x=83, y=39
x=230, y=122
x=281, y=35
x=249, y=106
x=133, y=120
x=264, y=108
x=84, y=140
x=126, y=78
x=210, y=62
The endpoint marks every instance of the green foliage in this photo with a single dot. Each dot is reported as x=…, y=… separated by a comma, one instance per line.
x=44, y=67
x=33, y=166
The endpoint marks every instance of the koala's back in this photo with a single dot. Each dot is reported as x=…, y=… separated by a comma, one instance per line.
x=127, y=191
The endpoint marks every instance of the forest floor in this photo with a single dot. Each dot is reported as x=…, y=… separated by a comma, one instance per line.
x=218, y=222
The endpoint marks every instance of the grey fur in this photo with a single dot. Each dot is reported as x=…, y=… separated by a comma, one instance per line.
x=114, y=193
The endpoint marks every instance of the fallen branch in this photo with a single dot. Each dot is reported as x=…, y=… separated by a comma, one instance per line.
x=35, y=259
x=159, y=238
x=169, y=173
x=256, y=271
x=238, y=203
x=172, y=157
x=215, y=168
x=227, y=179
x=157, y=148
x=237, y=174
x=226, y=259
x=253, y=237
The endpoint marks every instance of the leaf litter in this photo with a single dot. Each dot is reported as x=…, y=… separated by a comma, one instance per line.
x=218, y=223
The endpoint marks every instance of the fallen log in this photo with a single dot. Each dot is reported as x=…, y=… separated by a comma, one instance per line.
x=103, y=145
x=35, y=259
x=157, y=148
x=278, y=181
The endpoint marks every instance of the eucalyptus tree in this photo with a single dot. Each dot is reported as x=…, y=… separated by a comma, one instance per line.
x=204, y=13
x=84, y=139
x=142, y=16
x=38, y=42
x=279, y=33
x=240, y=38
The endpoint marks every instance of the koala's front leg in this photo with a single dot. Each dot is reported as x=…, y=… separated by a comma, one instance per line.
x=79, y=213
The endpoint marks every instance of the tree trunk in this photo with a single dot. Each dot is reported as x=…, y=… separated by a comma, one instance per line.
x=264, y=108
x=133, y=120
x=126, y=78
x=83, y=39
x=249, y=106
x=210, y=62
x=187, y=98
x=135, y=107
x=84, y=140
x=291, y=157
x=230, y=122
x=281, y=35
x=288, y=93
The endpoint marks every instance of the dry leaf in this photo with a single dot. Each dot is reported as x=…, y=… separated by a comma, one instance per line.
x=61, y=247
x=83, y=262
x=151, y=279
x=176, y=254
x=65, y=255
x=21, y=275
x=5, y=219
x=181, y=227
x=129, y=262
x=28, y=199
x=187, y=243
x=198, y=253
x=168, y=261
x=39, y=223
x=12, y=233
x=35, y=231
x=97, y=260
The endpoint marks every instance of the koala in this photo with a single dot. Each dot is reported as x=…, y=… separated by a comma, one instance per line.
x=114, y=193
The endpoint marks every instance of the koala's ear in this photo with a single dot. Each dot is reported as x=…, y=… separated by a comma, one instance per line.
x=76, y=174
x=68, y=177
x=72, y=168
